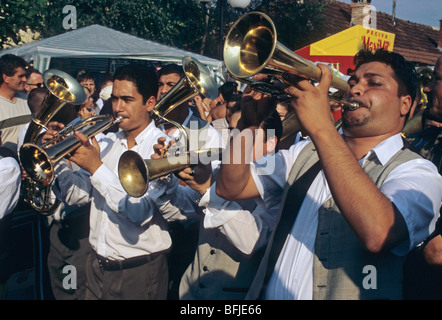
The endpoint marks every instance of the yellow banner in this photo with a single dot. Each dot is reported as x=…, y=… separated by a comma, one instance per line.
x=351, y=40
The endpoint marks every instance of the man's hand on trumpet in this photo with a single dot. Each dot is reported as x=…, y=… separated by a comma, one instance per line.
x=255, y=106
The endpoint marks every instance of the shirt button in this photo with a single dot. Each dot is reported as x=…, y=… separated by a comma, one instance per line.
x=205, y=268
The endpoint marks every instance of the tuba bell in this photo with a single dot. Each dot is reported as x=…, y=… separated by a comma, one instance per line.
x=251, y=47
x=62, y=90
x=135, y=172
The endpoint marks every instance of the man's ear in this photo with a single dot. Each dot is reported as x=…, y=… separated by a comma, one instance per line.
x=150, y=103
x=5, y=77
x=406, y=104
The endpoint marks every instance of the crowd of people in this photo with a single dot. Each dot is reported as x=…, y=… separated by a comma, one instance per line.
x=295, y=217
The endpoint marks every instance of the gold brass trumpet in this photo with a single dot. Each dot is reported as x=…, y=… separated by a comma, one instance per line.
x=38, y=161
x=135, y=172
x=251, y=47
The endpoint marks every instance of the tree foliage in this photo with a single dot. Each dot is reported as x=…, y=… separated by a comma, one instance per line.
x=16, y=15
x=187, y=24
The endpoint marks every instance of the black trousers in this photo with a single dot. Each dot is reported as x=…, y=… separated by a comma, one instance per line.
x=145, y=282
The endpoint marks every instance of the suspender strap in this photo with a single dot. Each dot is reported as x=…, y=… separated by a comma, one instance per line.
x=15, y=121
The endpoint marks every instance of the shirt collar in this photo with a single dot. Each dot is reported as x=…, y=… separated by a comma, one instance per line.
x=386, y=149
x=145, y=134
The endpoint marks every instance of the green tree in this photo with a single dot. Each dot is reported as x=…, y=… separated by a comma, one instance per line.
x=16, y=15
x=187, y=24
x=171, y=22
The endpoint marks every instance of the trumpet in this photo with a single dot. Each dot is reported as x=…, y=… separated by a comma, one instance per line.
x=135, y=172
x=38, y=160
x=251, y=47
x=197, y=80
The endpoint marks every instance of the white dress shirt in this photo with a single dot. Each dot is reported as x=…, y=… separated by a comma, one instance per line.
x=407, y=185
x=246, y=224
x=10, y=177
x=121, y=226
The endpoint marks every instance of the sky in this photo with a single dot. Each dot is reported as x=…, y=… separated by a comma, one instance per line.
x=427, y=12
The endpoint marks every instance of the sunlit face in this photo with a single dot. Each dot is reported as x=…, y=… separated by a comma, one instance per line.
x=127, y=102
x=282, y=111
x=381, y=111
x=434, y=91
x=17, y=81
x=89, y=83
x=89, y=101
x=35, y=81
x=167, y=82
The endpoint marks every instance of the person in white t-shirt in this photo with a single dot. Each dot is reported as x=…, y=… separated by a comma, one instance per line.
x=14, y=110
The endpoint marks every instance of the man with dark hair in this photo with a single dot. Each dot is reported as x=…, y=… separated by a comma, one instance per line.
x=14, y=111
x=128, y=236
x=352, y=205
x=231, y=234
x=201, y=135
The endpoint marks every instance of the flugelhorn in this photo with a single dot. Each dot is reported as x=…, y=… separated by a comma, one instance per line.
x=135, y=172
x=38, y=160
x=251, y=47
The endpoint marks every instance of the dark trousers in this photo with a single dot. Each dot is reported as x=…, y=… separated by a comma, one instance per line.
x=145, y=282
x=69, y=246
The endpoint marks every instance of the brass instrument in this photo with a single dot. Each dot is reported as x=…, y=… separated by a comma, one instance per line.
x=251, y=47
x=135, y=172
x=197, y=80
x=62, y=89
x=415, y=123
x=38, y=161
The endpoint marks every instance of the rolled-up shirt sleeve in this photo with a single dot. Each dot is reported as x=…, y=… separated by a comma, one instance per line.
x=246, y=224
x=415, y=188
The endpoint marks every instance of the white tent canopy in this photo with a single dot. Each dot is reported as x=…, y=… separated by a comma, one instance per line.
x=96, y=41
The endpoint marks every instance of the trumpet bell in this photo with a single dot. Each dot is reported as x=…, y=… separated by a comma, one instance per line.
x=62, y=89
x=36, y=162
x=197, y=80
x=133, y=173
x=252, y=47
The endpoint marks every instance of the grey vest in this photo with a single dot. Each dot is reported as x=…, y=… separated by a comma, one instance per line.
x=219, y=270
x=340, y=258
